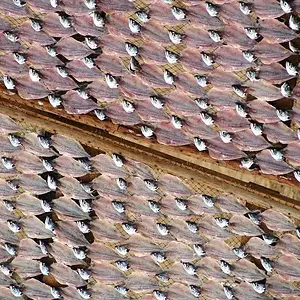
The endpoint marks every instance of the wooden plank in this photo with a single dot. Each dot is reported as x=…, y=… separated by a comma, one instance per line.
x=103, y=141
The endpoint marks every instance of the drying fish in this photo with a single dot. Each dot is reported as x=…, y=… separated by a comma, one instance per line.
x=266, y=263
x=288, y=267
x=71, y=187
x=19, y=58
x=141, y=283
x=255, y=217
x=280, y=286
x=100, y=252
x=211, y=269
x=174, y=186
x=208, y=226
x=29, y=204
x=275, y=73
x=294, y=22
x=131, y=49
x=104, y=230
x=290, y=242
x=230, y=203
x=106, y=272
x=246, y=270
x=143, y=16
x=258, y=248
x=219, y=250
x=29, y=249
x=276, y=221
x=291, y=69
x=79, y=253
x=270, y=239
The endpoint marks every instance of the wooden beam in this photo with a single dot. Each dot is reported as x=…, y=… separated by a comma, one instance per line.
x=109, y=141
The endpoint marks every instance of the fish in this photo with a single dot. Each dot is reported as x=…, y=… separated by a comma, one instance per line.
x=210, y=268
x=150, y=113
x=235, y=35
x=191, y=59
x=30, y=249
x=287, y=266
x=106, y=272
x=229, y=203
x=246, y=270
x=280, y=286
x=166, y=135
x=213, y=289
x=142, y=246
x=25, y=267
x=179, y=251
x=243, y=226
x=58, y=25
x=99, y=252
x=114, y=5
x=174, y=186
x=274, y=73
x=178, y=274
x=269, y=165
x=144, y=264
x=65, y=275
x=199, y=37
x=81, y=72
x=36, y=289
x=237, y=13
x=276, y=32
x=72, y=49
x=33, y=183
x=276, y=221
x=253, y=290
x=29, y=204
x=101, y=91
x=69, y=166
x=139, y=186
x=288, y=244
x=264, y=91
x=231, y=59
x=188, y=84
x=262, y=111
x=274, y=10
x=107, y=231
x=110, y=64
x=14, y=8
x=154, y=30
x=90, y=24
x=229, y=120
x=139, y=282
x=101, y=291
x=219, y=250
x=208, y=227
x=278, y=132
x=38, y=57
x=71, y=187
x=69, y=233
x=9, y=65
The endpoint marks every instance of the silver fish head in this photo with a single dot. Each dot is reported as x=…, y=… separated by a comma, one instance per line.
x=215, y=36
x=266, y=263
x=199, y=250
x=159, y=295
x=252, y=33
x=90, y=4
x=100, y=114
x=249, y=56
x=276, y=154
x=123, y=265
x=207, y=59
x=51, y=183
x=13, y=226
x=84, y=274
x=222, y=222
x=201, y=80
x=85, y=164
x=298, y=232
x=134, y=26
x=157, y=102
x=122, y=290
x=195, y=290
x=19, y=58
x=228, y=292
x=91, y=42
x=85, y=206
x=245, y=8
x=240, y=91
x=258, y=287
x=291, y=69
x=10, y=249
x=211, y=9
x=45, y=142
x=131, y=49
x=83, y=226
x=11, y=36
x=225, y=136
x=128, y=106
x=154, y=206
x=293, y=47
x=51, y=51
x=16, y=291
x=192, y=226
x=297, y=175
x=200, y=144
x=34, y=75
x=65, y=20
x=79, y=253
x=8, y=82
x=111, y=81
x=129, y=228
x=55, y=293
x=6, y=270
x=9, y=205
x=7, y=163
x=121, y=249
x=256, y=128
x=178, y=13
x=122, y=184
x=151, y=184
x=45, y=269
x=147, y=131
x=207, y=118
x=12, y=184
x=49, y=224
x=163, y=229
x=89, y=62
x=225, y=267
x=19, y=3
x=54, y=3
x=43, y=247
x=171, y=57
x=62, y=71
x=182, y=204
x=87, y=188
x=241, y=110
x=285, y=6
x=247, y=163
x=202, y=103
x=118, y=160
x=252, y=75
x=169, y=77
x=134, y=65
x=175, y=37
x=159, y=257
x=176, y=122
x=254, y=217
x=84, y=293
x=46, y=206
x=142, y=16
x=239, y=252
x=47, y=165
x=283, y=115
x=119, y=206
x=36, y=24
x=189, y=268
x=98, y=19
x=270, y=239
x=55, y=101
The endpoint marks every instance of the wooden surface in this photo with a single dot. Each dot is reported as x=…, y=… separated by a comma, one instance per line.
x=264, y=191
